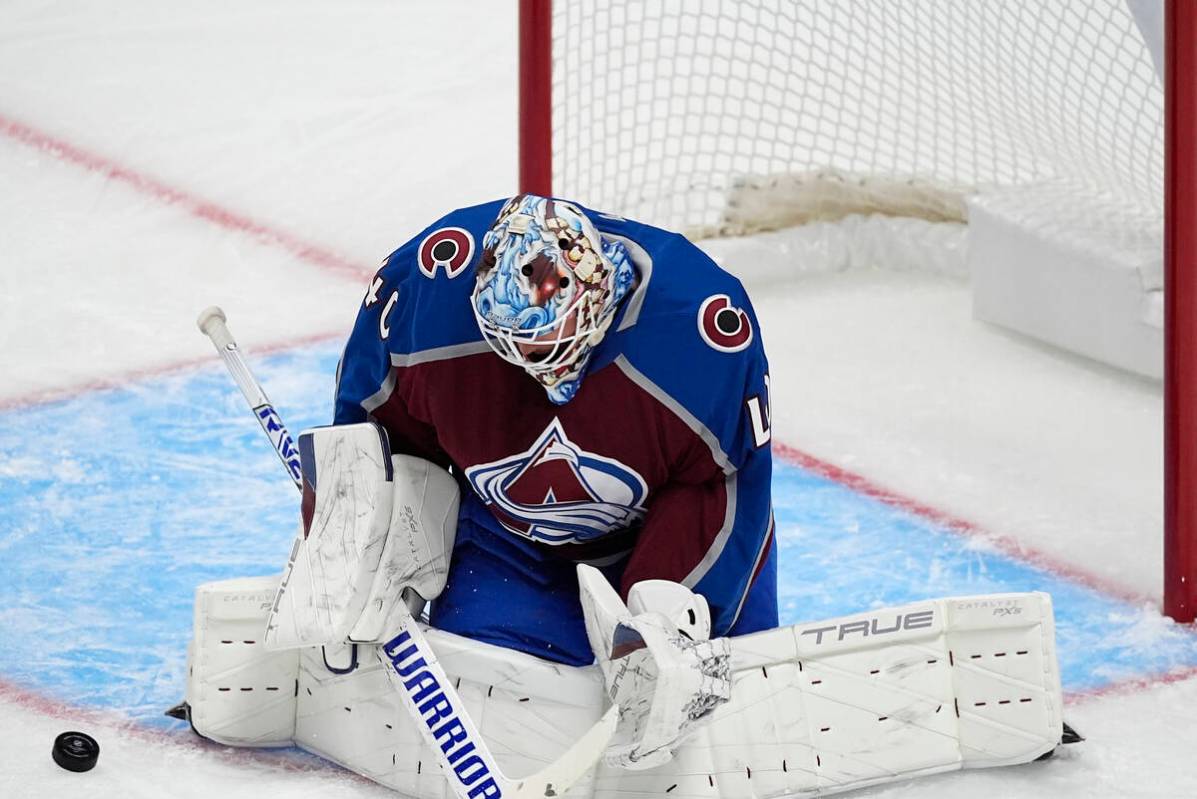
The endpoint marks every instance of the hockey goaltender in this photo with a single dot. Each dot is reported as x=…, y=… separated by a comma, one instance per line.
x=552, y=425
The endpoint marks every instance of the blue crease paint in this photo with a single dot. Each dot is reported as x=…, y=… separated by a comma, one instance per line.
x=118, y=503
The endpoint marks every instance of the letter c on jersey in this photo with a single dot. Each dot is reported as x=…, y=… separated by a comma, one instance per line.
x=450, y=248
x=384, y=327
x=722, y=325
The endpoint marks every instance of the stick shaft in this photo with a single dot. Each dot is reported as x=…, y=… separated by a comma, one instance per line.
x=213, y=324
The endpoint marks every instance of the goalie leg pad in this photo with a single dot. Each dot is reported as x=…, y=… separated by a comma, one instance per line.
x=528, y=710
x=815, y=708
x=874, y=698
x=240, y=694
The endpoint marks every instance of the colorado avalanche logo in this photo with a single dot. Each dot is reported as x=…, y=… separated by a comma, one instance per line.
x=450, y=248
x=557, y=493
x=724, y=326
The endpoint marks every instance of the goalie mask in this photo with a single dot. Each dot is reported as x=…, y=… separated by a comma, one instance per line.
x=547, y=289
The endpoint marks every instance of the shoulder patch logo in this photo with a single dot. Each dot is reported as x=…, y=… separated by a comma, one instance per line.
x=558, y=493
x=722, y=325
x=450, y=248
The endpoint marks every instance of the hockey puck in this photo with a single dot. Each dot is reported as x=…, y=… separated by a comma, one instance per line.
x=75, y=751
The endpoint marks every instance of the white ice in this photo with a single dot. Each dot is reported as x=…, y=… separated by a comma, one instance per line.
x=350, y=126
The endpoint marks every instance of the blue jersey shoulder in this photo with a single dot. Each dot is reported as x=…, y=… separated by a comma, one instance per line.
x=424, y=286
x=690, y=331
x=417, y=301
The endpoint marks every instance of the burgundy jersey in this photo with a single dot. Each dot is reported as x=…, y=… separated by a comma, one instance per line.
x=659, y=466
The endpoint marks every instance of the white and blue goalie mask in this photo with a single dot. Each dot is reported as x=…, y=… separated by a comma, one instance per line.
x=547, y=289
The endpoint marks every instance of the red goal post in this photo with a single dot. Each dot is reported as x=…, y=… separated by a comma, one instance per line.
x=720, y=118
x=1180, y=297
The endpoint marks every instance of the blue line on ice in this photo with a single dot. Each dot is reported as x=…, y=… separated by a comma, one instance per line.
x=118, y=503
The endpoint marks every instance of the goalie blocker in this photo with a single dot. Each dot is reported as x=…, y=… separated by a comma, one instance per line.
x=810, y=709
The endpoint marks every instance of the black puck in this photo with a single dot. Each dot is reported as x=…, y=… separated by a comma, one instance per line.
x=75, y=751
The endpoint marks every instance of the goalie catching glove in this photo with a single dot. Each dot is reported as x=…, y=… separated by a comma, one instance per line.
x=658, y=662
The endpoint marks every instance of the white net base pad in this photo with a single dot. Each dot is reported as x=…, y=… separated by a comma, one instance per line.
x=1043, y=260
x=1091, y=283
x=858, y=241
x=757, y=203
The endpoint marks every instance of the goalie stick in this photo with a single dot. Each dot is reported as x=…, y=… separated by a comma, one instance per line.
x=428, y=694
x=212, y=324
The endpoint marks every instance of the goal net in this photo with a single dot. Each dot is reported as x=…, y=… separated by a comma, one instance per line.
x=675, y=111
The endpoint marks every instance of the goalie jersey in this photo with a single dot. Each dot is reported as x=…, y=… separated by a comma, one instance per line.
x=658, y=467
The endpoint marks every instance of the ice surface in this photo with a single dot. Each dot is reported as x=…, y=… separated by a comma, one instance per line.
x=351, y=126
x=888, y=375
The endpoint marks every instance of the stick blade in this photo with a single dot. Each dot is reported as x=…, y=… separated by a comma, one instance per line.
x=561, y=775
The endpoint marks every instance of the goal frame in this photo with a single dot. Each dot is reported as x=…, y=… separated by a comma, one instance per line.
x=1180, y=311
x=1180, y=261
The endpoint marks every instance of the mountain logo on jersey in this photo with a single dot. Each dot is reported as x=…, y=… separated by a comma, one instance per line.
x=558, y=493
x=722, y=325
x=449, y=248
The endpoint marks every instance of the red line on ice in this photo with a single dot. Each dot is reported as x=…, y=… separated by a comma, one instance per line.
x=1132, y=685
x=191, y=203
x=123, y=379
x=316, y=255
x=956, y=524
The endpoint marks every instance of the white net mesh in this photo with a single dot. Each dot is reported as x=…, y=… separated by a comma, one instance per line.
x=722, y=116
